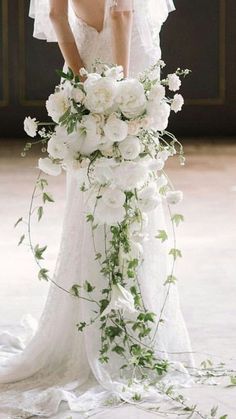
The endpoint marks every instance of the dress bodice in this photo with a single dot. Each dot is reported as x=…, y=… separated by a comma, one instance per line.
x=94, y=45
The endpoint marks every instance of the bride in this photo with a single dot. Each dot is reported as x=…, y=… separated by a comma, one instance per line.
x=60, y=364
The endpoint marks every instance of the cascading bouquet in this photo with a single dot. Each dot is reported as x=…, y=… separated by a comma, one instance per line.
x=112, y=132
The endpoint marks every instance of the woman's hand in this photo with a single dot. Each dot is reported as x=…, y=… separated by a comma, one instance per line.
x=66, y=41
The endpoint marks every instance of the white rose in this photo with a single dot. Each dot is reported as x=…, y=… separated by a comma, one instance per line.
x=157, y=93
x=109, y=208
x=148, y=198
x=48, y=167
x=30, y=126
x=174, y=82
x=121, y=299
x=91, y=79
x=100, y=95
x=129, y=175
x=130, y=148
x=57, y=104
x=177, y=103
x=159, y=113
x=134, y=126
x=174, y=197
x=115, y=129
x=131, y=98
x=115, y=73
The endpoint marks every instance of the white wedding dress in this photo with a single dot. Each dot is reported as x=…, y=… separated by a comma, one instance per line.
x=59, y=363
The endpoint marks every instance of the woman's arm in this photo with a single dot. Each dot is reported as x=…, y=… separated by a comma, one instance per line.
x=66, y=41
x=122, y=22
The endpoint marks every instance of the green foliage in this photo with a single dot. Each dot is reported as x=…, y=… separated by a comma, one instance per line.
x=177, y=219
x=171, y=279
x=47, y=197
x=21, y=239
x=39, y=251
x=40, y=213
x=42, y=183
x=88, y=287
x=176, y=253
x=162, y=235
x=118, y=349
x=81, y=326
x=18, y=222
x=75, y=290
x=43, y=274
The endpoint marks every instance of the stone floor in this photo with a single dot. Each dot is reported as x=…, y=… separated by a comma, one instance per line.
x=207, y=271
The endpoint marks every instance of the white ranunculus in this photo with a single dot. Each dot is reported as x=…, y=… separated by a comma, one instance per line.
x=174, y=82
x=115, y=73
x=174, y=197
x=148, y=198
x=57, y=148
x=48, y=167
x=30, y=126
x=113, y=198
x=177, y=103
x=129, y=175
x=101, y=95
x=159, y=114
x=115, y=129
x=157, y=93
x=131, y=98
x=130, y=148
x=57, y=104
x=121, y=299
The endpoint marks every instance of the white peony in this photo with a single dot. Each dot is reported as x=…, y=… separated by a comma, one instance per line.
x=121, y=299
x=30, y=126
x=115, y=73
x=91, y=79
x=157, y=93
x=174, y=82
x=131, y=98
x=88, y=135
x=159, y=113
x=149, y=198
x=100, y=95
x=129, y=175
x=130, y=148
x=48, y=167
x=115, y=129
x=57, y=104
x=174, y=197
x=177, y=103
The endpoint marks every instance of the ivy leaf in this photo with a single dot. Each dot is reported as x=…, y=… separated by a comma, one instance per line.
x=81, y=326
x=40, y=213
x=177, y=218
x=88, y=287
x=43, y=274
x=214, y=410
x=176, y=253
x=47, y=197
x=18, y=222
x=162, y=235
x=90, y=218
x=118, y=349
x=224, y=417
x=21, y=240
x=137, y=397
x=39, y=251
x=42, y=183
x=171, y=279
x=75, y=290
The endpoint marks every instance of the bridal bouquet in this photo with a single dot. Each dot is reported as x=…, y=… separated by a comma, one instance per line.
x=112, y=133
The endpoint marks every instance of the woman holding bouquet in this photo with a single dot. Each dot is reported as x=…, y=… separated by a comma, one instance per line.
x=83, y=368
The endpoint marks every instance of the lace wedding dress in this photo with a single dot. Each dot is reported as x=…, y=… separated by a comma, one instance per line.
x=59, y=363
